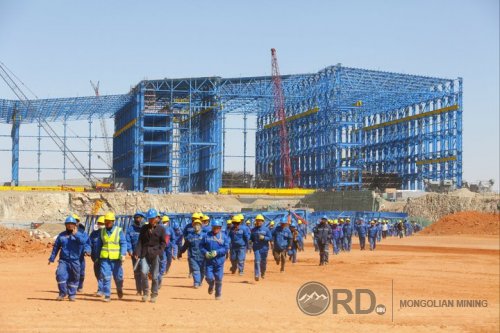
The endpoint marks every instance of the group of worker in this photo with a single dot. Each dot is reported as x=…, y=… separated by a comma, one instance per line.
x=339, y=233
x=153, y=243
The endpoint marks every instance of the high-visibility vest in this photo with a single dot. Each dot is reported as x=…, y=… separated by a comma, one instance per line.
x=110, y=244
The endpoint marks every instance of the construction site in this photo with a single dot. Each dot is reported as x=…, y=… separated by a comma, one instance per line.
x=374, y=147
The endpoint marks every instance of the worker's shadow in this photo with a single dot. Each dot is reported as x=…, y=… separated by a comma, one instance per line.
x=179, y=286
x=191, y=299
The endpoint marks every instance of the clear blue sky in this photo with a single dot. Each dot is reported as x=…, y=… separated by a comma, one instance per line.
x=56, y=47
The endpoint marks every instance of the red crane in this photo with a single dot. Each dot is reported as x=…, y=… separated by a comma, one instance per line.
x=279, y=109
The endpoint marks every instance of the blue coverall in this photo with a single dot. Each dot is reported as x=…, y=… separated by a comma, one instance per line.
x=323, y=237
x=214, y=269
x=68, y=270
x=94, y=255
x=192, y=242
x=83, y=249
x=347, y=236
x=112, y=267
x=292, y=253
x=177, y=241
x=239, y=243
x=166, y=257
x=372, y=236
x=361, y=229
x=132, y=237
x=337, y=238
x=260, y=237
x=282, y=242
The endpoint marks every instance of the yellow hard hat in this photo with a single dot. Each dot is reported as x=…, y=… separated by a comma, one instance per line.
x=271, y=223
x=248, y=222
x=341, y=220
x=76, y=217
x=372, y=222
x=259, y=217
x=229, y=222
x=330, y=221
x=100, y=219
x=195, y=216
x=196, y=221
x=300, y=222
x=205, y=218
x=109, y=216
x=237, y=219
x=335, y=221
x=165, y=219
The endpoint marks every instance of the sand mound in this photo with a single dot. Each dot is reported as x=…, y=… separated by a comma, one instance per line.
x=468, y=222
x=18, y=243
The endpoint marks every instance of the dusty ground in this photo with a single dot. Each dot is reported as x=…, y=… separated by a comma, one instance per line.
x=422, y=267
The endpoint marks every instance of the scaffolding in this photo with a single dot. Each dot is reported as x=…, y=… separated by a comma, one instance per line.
x=169, y=134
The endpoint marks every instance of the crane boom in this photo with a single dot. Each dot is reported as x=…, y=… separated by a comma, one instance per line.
x=104, y=131
x=47, y=128
x=279, y=109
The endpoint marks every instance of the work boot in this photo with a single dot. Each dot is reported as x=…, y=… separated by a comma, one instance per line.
x=233, y=270
x=196, y=286
x=210, y=289
x=218, y=298
x=256, y=278
x=79, y=290
x=120, y=293
x=107, y=299
x=144, y=298
x=262, y=275
x=60, y=298
x=98, y=294
x=138, y=293
x=72, y=298
x=240, y=273
x=153, y=299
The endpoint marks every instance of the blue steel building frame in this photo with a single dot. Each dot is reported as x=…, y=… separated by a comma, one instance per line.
x=169, y=133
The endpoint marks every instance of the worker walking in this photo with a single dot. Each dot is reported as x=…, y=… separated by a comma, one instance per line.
x=151, y=244
x=323, y=237
x=296, y=241
x=112, y=247
x=132, y=237
x=177, y=240
x=337, y=236
x=341, y=241
x=361, y=230
x=167, y=254
x=282, y=242
x=192, y=243
x=347, y=234
x=81, y=229
x=214, y=247
x=239, y=236
x=372, y=235
x=95, y=254
x=260, y=236
x=69, y=242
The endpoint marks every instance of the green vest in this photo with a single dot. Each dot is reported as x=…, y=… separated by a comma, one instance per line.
x=110, y=244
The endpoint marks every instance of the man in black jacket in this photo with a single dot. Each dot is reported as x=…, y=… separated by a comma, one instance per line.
x=323, y=237
x=151, y=244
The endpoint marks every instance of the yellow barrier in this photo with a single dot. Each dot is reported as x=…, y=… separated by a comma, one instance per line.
x=416, y=116
x=44, y=188
x=294, y=117
x=124, y=128
x=437, y=160
x=266, y=191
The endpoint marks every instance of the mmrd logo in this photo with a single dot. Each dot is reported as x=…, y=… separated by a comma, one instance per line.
x=313, y=298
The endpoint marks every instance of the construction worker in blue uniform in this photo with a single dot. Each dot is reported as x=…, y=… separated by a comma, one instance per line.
x=302, y=228
x=167, y=262
x=347, y=234
x=400, y=229
x=239, y=236
x=132, y=236
x=282, y=242
x=112, y=246
x=94, y=253
x=192, y=243
x=214, y=247
x=378, y=224
x=260, y=236
x=271, y=228
x=372, y=235
x=296, y=241
x=188, y=228
x=341, y=225
x=323, y=236
x=70, y=243
x=81, y=229
x=205, y=223
x=177, y=240
x=361, y=230
x=337, y=236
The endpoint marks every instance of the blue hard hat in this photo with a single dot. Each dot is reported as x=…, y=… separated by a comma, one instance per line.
x=175, y=226
x=139, y=213
x=152, y=213
x=293, y=225
x=217, y=223
x=324, y=217
x=70, y=219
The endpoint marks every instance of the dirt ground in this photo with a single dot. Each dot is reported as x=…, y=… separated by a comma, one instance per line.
x=420, y=267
